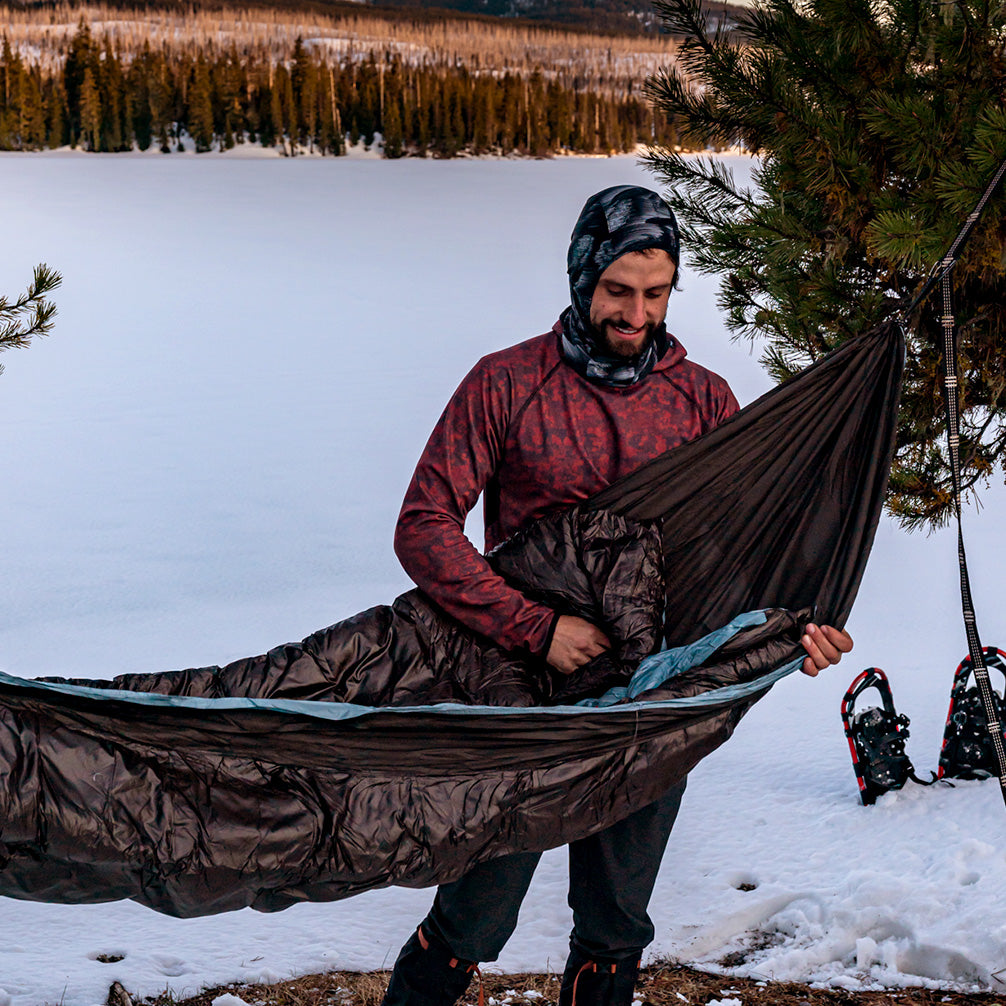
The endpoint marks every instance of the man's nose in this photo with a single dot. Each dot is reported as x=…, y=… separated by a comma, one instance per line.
x=635, y=313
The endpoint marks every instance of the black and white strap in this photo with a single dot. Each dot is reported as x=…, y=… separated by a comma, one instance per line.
x=941, y=273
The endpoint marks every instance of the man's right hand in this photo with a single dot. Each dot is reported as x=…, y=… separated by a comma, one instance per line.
x=574, y=642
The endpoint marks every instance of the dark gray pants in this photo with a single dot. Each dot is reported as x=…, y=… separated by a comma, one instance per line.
x=611, y=878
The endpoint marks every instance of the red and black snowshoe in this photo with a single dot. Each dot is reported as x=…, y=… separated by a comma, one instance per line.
x=876, y=737
x=967, y=751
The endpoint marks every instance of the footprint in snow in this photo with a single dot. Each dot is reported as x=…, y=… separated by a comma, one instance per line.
x=170, y=967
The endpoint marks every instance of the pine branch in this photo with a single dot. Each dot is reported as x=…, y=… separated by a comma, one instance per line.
x=877, y=127
x=32, y=314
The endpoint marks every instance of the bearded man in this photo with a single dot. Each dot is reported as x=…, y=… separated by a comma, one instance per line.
x=541, y=425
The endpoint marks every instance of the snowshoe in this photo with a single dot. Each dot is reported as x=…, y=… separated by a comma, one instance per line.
x=876, y=737
x=967, y=751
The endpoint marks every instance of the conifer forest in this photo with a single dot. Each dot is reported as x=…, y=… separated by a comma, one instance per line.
x=100, y=78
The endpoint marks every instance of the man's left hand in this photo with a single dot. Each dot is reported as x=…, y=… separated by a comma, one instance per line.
x=824, y=645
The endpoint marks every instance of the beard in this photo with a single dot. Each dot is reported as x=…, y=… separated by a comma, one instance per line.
x=628, y=349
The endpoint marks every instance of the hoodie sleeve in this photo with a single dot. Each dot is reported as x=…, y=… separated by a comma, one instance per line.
x=724, y=404
x=456, y=465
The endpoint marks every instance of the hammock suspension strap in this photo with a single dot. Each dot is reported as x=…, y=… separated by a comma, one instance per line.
x=941, y=273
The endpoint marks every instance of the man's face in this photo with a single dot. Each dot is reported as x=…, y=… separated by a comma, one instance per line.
x=630, y=300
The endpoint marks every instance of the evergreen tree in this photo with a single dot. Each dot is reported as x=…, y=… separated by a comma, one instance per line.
x=583, y=123
x=201, y=108
x=31, y=314
x=111, y=96
x=304, y=81
x=140, y=110
x=327, y=111
x=393, y=143
x=484, y=114
x=33, y=131
x=452, y=137
x=57, y=128
x=878, y=125
x=510, y=103
x=226, y=88
x=162, y=102
x=270, y=118
x=115, y=130
x=560, y=115
x=288, y=109
x=539, y=133
x=81, y=56
x=422, y=128
x=11, y=88
x=89, y=114
x=368, y=100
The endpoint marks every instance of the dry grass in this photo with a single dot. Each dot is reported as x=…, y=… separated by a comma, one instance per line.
x=660, y=985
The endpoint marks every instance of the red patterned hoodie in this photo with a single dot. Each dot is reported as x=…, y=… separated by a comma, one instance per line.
x=532, y=434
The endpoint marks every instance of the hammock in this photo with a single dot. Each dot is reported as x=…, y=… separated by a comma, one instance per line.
x=194, y=805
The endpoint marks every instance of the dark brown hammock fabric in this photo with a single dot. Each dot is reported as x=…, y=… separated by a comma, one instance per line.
x=322, y=769
x=779, y=505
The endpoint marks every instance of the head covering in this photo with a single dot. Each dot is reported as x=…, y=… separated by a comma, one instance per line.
x=624, y=218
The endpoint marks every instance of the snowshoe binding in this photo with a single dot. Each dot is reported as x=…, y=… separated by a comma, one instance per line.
x=876, y=738
x=967, y=751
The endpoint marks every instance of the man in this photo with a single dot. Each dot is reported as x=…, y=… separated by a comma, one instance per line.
x=542, y=425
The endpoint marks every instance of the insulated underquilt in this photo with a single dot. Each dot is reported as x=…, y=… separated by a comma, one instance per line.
x=324, y=768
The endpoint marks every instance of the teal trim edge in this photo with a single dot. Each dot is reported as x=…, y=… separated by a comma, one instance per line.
x=652, y=672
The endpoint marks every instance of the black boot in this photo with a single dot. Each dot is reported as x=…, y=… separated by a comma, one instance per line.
x=427, y=974
x=589, y=981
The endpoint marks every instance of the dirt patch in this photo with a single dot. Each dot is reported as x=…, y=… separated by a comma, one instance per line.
x=660, y=985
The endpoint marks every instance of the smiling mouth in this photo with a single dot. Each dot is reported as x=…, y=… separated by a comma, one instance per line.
x=622, y=340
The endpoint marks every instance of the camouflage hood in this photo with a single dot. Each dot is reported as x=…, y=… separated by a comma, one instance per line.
x=615, y=221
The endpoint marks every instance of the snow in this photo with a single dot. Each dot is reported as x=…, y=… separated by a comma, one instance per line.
x=207, y=457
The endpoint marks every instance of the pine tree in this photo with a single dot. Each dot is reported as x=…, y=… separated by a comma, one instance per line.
x=453, y=121
x=162, y=102
x=201, y=108
x=510, y=103
x=31, y=314
x=32, y=111
x=270, y=117
x=89, y=115
x=484, y=120
x=115, y=128
x=560, y=115
x=327, y=110
x=304, y=81
x=539, y=134
x=878, y=126
x=57, y=127
x=393, y=141
x=140, y=111
x=11, y=90
x=368, y=101
x=582, y=123
x=423, y=126
x=286, y=110
x=229, y=120
x=81, y=55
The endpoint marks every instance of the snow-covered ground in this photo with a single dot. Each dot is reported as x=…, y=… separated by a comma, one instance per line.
x=207, y=458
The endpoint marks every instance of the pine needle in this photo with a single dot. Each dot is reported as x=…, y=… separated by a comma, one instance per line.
x=32, y=314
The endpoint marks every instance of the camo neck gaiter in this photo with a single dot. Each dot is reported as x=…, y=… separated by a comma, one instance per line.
x=615, y=221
